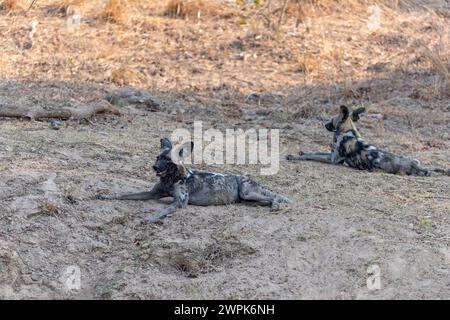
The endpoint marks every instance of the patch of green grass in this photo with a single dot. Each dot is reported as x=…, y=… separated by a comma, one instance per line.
x=190, y=290
x=104, y=288
x=425, y=223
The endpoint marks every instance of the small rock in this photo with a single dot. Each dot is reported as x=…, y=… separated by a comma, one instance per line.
x=55, y=125
x=129, y=96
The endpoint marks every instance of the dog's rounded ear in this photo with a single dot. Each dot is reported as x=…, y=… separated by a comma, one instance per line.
x=181, y=152
x=344, y=112
x=356, y=114
x=186, y=149
x=343, y=115
x=166, y=144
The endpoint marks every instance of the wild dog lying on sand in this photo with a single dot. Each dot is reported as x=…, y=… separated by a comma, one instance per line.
x=348, y=147
x=200, y=188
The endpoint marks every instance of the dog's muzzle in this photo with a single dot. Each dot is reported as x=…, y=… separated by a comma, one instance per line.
x=159, y=173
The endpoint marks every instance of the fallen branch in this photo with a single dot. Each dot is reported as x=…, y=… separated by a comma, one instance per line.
x=80, y=112
x=31, y=5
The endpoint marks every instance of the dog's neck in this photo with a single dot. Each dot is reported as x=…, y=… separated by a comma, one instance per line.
x=351, y=131
x=180, y=173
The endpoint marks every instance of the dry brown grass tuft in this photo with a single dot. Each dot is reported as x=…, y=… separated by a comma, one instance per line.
x=180, y=8
x=64, y=8
x=440, y=64
x=307, y=111
x=49, y=209
x=307, y=63
x=65, y=4
x=196, y=9
x=12, y=5
x=114, y=11
x=124, y=76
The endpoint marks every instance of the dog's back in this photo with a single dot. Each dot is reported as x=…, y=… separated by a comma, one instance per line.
x=209, y=188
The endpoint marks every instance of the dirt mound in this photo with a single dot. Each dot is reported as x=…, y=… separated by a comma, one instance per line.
x=213, y=257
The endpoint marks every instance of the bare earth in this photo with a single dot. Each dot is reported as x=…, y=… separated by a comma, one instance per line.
x=341, y=222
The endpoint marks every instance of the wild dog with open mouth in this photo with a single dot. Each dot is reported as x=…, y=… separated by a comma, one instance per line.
x=200, y=188
x=348, y=147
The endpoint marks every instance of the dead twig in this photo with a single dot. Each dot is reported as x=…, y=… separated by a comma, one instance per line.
x=280, y=18
x=31, y=5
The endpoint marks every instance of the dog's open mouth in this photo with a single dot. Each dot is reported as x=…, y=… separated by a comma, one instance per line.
x=160, y=173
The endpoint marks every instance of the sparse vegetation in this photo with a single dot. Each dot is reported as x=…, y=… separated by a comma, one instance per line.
x=48, y=208
x=231, y=64
x=425, y=223
x=12, y=5
x=195, y=8
x=141, y=39
x=114, y=11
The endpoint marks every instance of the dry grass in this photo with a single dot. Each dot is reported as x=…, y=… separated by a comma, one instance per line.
x=48, y=208
x=12, y=5
x=144, y=46
x=441, y=65
x=124, y=76
x=197, y=9
x=66, y=7
x=114, y=11
x=307, y=63
x=218, y=254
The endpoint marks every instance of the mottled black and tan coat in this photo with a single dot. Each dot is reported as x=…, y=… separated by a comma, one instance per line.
x=350, y=148
x=200, y=188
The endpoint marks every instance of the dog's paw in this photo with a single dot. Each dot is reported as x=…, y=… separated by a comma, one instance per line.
x=286, y=201
x=147, y=220
x=151, y=219
x=102, y=197
x=280, y=207
x=280, y=204
x=290, y=157
x=276, y=206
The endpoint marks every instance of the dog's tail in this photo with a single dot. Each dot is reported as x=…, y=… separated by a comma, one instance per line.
x=282, y=199
x=445, y=172
x=429, y=170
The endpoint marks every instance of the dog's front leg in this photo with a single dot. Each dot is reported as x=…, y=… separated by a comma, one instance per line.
x=154, y=193
x=180, y=200
x=313, y=156
x=335, y=157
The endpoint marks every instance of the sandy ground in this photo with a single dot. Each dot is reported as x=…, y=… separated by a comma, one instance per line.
x=342, y=221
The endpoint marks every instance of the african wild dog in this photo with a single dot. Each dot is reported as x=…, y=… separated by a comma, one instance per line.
x=348, y=147
x=200, y=188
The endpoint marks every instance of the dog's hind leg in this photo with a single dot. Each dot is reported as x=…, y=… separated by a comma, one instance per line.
x=418, y=170
x=252, y=191
x=445, y=172
x=313, y=156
